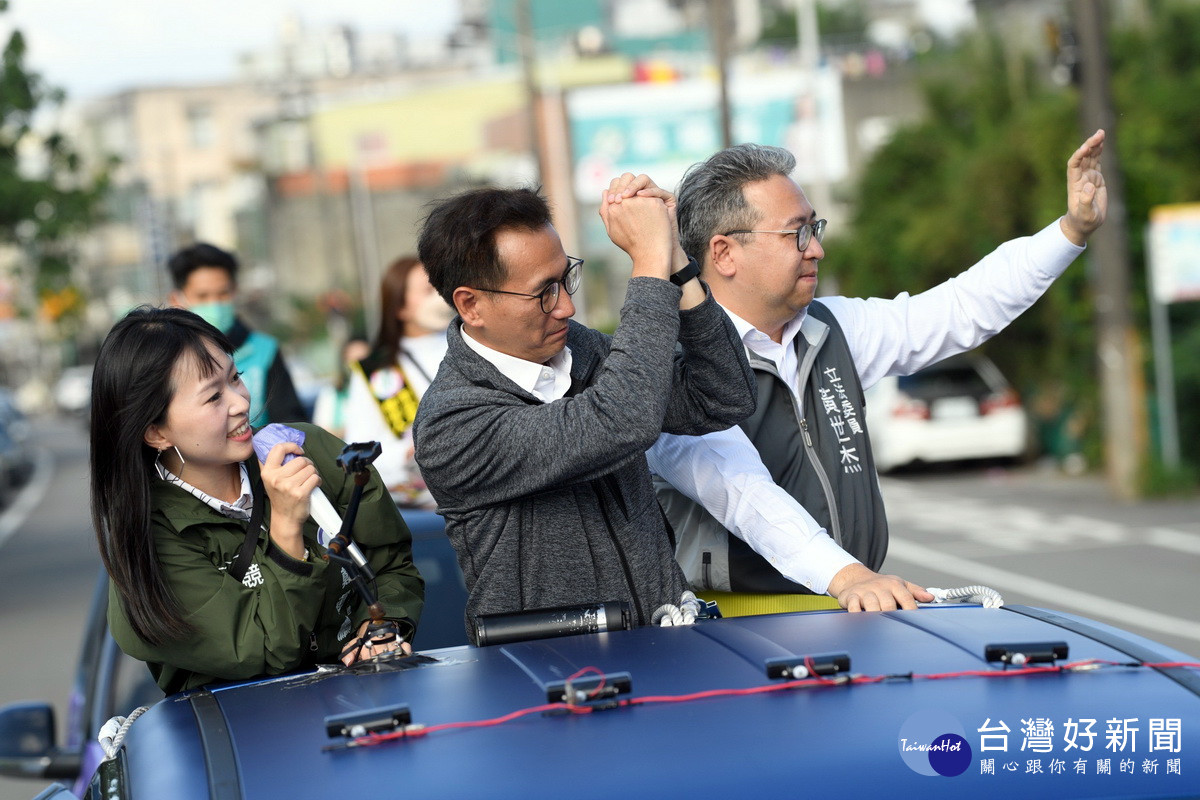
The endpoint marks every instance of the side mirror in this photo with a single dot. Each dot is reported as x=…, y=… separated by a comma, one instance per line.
x=27, y=748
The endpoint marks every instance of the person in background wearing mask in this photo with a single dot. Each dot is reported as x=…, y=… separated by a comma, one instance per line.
x=205, y=279
x=387, y=385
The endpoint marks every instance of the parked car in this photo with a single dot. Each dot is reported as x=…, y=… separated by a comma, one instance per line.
x=13, y=418
x=997, y=702
x=958, y=409
x=73, y=390
x=16, y=448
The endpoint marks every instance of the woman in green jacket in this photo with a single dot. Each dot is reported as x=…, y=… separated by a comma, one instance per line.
x=173, y=478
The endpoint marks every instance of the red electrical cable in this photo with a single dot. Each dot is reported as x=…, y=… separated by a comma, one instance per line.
x=585, y=671
x=770, y=687
x=816, y=680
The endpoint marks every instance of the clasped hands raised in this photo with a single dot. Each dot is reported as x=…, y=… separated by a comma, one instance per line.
x=639, y=218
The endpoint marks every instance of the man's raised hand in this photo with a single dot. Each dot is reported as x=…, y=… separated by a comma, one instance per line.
x=1087, y=196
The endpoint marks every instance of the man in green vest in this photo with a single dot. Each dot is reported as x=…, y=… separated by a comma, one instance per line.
x=205, y=279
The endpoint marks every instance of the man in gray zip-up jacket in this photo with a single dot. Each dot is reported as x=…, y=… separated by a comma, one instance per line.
x=797, y=483
x=532, y=436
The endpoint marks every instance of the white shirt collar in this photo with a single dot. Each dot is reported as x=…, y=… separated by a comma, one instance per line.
x=782, y=355
x=548, y=381
x=238, y=509
x=756, y=340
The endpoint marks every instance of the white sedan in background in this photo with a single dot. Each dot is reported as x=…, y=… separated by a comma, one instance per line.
x=958, y=409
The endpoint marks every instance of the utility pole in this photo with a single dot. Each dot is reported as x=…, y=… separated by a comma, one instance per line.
x=720, y=22
x=808, y=52
x=1118, y=345
x=808, y=38
x=525, y=45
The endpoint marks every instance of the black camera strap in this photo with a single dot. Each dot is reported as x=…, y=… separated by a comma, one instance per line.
x=242, y=563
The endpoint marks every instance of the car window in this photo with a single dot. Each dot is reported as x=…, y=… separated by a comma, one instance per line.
x=957, y=381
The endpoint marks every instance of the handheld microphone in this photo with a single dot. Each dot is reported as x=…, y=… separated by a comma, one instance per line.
x=320, y=509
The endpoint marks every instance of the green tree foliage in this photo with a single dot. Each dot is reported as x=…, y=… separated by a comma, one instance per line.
x=1156, y=89
x=42, y=208
x=839, y=21
x=988, y=164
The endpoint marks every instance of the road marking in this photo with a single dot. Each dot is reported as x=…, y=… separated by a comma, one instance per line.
x=1004, y=527
x=1171, y=539
x=1011, y=528
x=31, y=494
x=1051, y=593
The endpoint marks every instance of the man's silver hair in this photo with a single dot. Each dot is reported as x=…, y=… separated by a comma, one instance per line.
x=710, y=198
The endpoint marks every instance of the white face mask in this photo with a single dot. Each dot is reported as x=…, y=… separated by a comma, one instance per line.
x=433, y=314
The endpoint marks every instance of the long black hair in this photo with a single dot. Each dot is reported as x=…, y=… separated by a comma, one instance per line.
x=132, y=385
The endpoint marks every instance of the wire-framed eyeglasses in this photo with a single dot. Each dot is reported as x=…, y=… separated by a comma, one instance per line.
x=804, y=234
x=548, y=297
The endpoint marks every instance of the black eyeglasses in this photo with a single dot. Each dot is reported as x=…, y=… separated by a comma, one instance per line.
x=804, y=234
x=549, y=295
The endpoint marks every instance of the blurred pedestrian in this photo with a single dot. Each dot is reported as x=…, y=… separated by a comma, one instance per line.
x=205, y=279
x=387, y=385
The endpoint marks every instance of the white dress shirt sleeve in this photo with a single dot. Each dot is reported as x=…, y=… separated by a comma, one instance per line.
x=724, y=473
x=910, y=332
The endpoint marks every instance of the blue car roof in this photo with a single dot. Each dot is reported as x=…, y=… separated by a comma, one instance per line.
x=268, y=739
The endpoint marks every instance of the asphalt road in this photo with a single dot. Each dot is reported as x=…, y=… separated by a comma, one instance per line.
x=1036, y=537
x=48, y=568
x=1041, y=538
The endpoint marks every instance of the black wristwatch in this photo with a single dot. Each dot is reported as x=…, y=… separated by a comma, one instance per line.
x=692, y=270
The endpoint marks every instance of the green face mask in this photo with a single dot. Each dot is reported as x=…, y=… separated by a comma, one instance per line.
x=219, y=315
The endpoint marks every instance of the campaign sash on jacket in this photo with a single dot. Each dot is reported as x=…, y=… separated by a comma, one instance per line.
x=392, y=391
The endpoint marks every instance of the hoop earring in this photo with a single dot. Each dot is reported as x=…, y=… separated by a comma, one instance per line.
x=179, y=455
